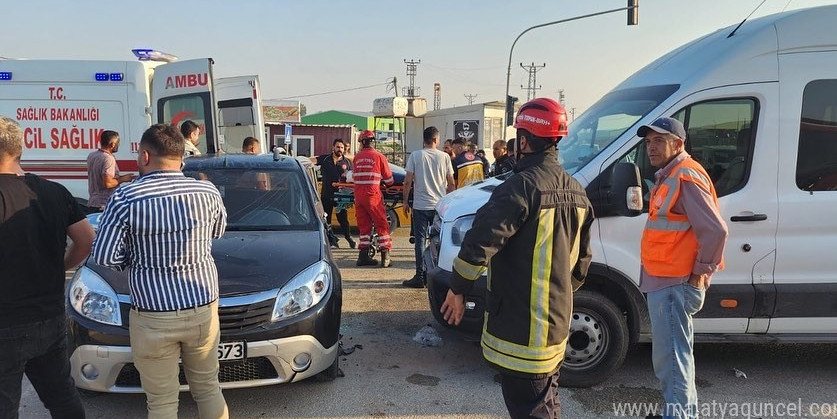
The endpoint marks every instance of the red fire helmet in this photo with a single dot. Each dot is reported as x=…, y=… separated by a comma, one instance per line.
x=543, y=117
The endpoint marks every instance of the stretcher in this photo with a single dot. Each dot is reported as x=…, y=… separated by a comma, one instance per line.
x=344, y=198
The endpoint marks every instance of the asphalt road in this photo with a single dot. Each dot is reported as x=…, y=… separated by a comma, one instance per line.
x=390, y=375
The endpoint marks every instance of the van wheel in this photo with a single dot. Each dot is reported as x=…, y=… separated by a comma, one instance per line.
x=330, y=373
x=597, y=343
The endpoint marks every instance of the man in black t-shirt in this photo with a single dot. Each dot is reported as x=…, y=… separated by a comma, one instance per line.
x=36, y=217
x=333, y=167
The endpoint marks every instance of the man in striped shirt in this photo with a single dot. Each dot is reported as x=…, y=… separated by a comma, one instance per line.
x=161, y=228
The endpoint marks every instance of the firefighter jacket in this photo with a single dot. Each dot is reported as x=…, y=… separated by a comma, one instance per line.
x=533, y=235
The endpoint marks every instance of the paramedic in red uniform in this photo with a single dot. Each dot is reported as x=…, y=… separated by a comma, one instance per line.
x=371, y=168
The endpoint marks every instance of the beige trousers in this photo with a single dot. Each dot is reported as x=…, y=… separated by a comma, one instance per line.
x=159, y=340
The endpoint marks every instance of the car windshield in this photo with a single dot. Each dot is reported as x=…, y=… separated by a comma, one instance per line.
x=606, y=120
x=262, y=199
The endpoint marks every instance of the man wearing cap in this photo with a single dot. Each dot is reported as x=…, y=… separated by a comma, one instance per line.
x=682, y=246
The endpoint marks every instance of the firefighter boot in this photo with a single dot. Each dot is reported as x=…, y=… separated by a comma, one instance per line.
x=385, y=262
x=363, y=258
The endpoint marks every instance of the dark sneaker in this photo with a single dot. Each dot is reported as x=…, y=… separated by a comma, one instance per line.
x=415, y=282
x=352, y=243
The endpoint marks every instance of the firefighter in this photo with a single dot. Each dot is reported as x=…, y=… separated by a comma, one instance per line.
x=535, y=233
x=371, y=168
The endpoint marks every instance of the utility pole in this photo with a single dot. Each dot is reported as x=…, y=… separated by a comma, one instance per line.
x=572, y=113
x=561, y=97
x=470, y=98
x=533, y=86
x=633, y=19
x=437, y=96
x=411, y=91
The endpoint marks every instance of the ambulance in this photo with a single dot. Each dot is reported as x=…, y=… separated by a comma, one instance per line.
x=63, y=106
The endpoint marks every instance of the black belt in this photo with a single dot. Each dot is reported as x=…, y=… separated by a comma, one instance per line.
x=149, y=310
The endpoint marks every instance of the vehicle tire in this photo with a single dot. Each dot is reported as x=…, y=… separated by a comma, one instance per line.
x=597, y=343
x=330, y=373
x=371, y=252
x=392, y=218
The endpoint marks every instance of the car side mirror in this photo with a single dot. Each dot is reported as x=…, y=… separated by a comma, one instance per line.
x=626, y=189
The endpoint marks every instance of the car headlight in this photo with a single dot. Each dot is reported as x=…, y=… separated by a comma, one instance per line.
x=460, y=227
x=304, y=291
x=93, y=298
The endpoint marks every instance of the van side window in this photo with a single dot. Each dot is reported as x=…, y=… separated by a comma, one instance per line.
x=719, y=135
x=816, y=163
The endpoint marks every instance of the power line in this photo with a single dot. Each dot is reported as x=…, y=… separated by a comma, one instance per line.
x=334, y=91
x=470, y=98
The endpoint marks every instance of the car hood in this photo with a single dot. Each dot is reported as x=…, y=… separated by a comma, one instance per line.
x=249, y=261
x=467, y=200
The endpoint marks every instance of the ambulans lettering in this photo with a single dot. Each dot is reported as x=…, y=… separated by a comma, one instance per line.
x=57, y=114
x=75, y=138
x=187, y=80
x=72, y=114
x=31, y=114
x=56, y=93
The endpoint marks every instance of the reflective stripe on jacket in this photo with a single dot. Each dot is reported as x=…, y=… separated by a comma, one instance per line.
x=533, y=237
x=669, y=245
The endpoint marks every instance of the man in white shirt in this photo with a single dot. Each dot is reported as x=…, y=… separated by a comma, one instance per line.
x=432, y=173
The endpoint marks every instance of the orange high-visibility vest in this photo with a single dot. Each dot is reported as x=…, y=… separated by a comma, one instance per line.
x=669, y=245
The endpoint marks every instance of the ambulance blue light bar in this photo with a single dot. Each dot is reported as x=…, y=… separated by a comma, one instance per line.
x=5, y=75
x=110, y=76
x=145, y=54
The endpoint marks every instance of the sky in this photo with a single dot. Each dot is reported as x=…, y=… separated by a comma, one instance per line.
x=302, y=48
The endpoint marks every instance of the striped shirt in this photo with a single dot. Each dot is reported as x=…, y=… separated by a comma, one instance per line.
x=160, y=227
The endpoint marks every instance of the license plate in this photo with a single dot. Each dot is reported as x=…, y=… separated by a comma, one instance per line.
x=228, y=351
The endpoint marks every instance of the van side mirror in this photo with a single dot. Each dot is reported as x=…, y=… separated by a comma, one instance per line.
x=626, y=189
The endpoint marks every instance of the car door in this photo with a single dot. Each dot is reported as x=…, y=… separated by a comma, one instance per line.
x=731, y=131
x=806, y=266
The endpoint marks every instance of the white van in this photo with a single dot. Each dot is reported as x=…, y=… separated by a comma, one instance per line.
x=760, y=108
x=64, y=105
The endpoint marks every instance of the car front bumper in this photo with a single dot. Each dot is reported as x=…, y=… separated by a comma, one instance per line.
x=111, y=369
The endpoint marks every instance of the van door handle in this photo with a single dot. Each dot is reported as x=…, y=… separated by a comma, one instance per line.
x=753, y=217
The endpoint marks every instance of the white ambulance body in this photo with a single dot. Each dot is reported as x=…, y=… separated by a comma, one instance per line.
x=240, y=112
x=63, y=106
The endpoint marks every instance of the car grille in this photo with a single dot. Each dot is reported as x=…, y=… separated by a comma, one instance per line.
x=237, y=318
x=258, y=368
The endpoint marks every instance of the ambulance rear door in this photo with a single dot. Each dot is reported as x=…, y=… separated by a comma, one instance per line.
x=182, y=91
x=240, y=111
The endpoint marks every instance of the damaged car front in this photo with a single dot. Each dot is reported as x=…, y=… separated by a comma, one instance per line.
x=280, y=290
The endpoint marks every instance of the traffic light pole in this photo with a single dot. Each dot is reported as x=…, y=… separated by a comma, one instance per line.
x=632, y=6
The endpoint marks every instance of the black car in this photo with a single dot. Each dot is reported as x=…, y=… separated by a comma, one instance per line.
x=280, y=290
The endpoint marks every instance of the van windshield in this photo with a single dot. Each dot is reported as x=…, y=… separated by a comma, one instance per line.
x=606, y=120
